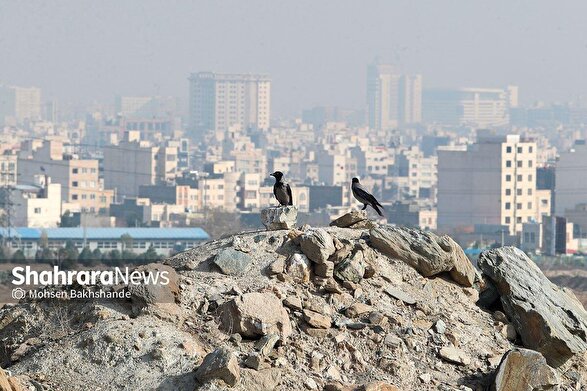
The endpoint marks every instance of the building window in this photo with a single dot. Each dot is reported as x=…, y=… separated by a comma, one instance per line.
x=508, y=150
x=508, y=192
x=529, y=191
x=530, y=163
x=508, y=205
x=519, y=220
x=508, y=178
x=529, y=205
x=519, y=192
x=74, y=196
x=74, y=184
x=519, y=178
x=520, y=164
x=74, y=170
x=530, y=178
x=508, y=163
x=508, y=220
x=520, y=149
x=37, y=210
x=530, y=149
x=519, y=206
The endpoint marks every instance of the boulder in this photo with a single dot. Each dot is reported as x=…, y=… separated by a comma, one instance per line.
x=350, y=218
x=254, y=315
x=317, y=244
x=298, y=267
x=232, y=262
x=524, y=370
x=427, y=252
x=544, y=316
x=220, y=364
x=351, y=269
x=279, y=217
x=157, y=294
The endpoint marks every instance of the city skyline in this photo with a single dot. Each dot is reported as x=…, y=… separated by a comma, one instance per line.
x=323, y=63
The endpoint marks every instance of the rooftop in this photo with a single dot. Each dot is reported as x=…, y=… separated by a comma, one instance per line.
x=25, y=233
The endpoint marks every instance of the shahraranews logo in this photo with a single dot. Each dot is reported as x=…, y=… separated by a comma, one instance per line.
x=26, y=276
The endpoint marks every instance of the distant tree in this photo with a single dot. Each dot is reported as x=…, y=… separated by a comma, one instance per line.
x=86, y=257
x=44, y=240
x=218, y=223
x=114, y=258
x=97, y=256
x=45, y=255
x=18, y=256
x=148, y=256
x=126, y=240
x=128, y=256
x=4, y=255
x=71, y=250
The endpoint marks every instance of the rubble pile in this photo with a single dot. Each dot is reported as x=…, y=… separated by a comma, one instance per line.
x=353, y=306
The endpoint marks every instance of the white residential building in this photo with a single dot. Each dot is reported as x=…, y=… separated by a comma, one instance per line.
x=490, y=182
x=393, y=99
x=219, y=102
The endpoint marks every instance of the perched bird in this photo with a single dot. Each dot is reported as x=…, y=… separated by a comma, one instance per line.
x=364, y=197
x=281, y=190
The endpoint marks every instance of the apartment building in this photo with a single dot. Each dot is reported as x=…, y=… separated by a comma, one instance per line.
x=19, y=104
x=133, y=163
x=219, y=102
x=571, y=178
x=393, y=98
x=80, y=180
x=37, y=205
x=469, y=106
x=491, y=182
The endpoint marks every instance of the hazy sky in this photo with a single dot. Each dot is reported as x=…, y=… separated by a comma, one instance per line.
x=315, y=51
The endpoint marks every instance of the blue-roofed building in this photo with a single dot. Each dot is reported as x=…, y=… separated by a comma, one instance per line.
x=163, y=240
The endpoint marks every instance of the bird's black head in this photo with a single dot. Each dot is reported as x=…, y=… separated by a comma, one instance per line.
x=278, y=175
x=355, y=180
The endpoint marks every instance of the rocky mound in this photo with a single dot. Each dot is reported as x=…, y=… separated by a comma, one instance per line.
x=358, y=307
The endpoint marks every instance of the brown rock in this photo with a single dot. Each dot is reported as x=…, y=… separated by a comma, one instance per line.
x=524, y=370
x=425, y=251
x=317, y=244
x=378, y=386
x=298, y=268
x=358, y=309
x=325, y=269
x=220, y=364
x=255, y=314
x=350, y=218
x=293, y=302
x=317, y=320
x=454, y=355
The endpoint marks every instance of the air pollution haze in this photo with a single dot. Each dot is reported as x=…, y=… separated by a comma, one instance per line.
x=315, y=52
x=293, y=195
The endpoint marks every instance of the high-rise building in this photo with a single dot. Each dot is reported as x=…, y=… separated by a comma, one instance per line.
x=571, y=176
x=491, y=182
x=393, y=99
x=18, y=104
x=223, y=101
x=469, y=106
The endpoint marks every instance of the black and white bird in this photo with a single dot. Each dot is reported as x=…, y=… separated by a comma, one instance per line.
x=364, y=197
x=281, y=190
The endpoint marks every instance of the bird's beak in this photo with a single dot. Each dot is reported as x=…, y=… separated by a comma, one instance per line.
x=272, y=175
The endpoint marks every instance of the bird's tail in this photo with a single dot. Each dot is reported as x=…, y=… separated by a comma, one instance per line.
x=377, y=209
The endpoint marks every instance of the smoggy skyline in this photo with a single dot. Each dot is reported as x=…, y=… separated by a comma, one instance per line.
x=315, y=52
